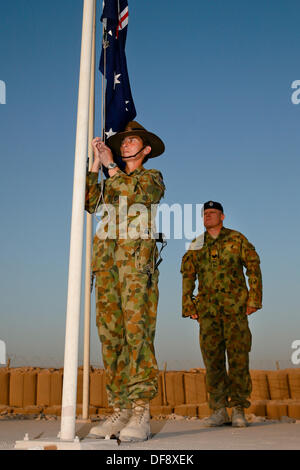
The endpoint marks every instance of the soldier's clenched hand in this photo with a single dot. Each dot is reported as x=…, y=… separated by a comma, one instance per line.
x=194, y=316
x=250, y=310
x=102, y=154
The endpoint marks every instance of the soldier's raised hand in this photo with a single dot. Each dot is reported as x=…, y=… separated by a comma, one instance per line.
x=102, y=154
x=194, y=316
x=250, y=310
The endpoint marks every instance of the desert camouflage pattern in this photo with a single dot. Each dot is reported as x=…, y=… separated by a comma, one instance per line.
x=231, y=334
x=134, y=199
x=127, y=290
x=221, y=304
x=218, y=268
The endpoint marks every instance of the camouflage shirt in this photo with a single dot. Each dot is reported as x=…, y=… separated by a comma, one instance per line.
x=218, y=267
x=124, y=193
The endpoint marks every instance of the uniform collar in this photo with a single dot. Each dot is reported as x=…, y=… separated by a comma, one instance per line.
x=136, y=171
x=209, y=239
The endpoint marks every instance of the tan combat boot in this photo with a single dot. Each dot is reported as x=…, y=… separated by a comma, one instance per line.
x=112, y=425
x=238, y=419
x=218, y=418
x=138, y=427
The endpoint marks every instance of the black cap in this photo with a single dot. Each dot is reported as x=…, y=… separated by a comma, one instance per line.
x=213, y=205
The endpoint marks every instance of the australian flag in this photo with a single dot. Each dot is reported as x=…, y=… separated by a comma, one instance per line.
x=119, y=105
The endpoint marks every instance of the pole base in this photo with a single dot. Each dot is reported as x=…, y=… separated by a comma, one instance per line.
x=76, y=444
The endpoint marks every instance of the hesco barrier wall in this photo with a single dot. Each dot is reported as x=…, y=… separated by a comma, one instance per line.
x=32, y=391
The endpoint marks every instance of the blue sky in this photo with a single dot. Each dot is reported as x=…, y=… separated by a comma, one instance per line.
x=213, y=79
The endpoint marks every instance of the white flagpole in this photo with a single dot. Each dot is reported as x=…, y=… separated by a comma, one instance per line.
x=88, y=250
x=77, y=225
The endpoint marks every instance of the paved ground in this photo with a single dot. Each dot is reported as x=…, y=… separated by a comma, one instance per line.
x=167, y=435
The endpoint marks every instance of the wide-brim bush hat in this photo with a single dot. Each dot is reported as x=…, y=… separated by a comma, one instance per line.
x=134, y=128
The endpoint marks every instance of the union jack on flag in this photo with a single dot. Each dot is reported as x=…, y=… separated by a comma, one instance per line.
x=119, y=105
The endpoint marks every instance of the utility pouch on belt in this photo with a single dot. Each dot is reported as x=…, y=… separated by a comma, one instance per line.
x=147, y=257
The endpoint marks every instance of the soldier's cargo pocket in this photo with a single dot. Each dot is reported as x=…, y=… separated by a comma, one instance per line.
x=245, y=331
x=238, y=334
x=103, y=255
x=145, y=256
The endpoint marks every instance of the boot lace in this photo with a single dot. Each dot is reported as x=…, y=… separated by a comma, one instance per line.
x=239, y=409
x=115, y=416
x=138, y=413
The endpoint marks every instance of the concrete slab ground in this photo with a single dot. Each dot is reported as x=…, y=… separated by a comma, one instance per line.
x=181, y=434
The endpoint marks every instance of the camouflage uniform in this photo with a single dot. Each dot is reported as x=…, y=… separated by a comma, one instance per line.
x=221, y=305
x=127, y=288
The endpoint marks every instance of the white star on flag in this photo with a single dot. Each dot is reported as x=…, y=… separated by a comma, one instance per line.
x=117, y=76
x=110, y=133
x=126, y=102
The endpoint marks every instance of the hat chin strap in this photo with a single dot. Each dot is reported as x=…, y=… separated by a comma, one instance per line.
x=132, y=156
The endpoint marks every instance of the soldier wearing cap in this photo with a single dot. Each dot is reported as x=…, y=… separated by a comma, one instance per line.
x=222, y=306
x=127, y=280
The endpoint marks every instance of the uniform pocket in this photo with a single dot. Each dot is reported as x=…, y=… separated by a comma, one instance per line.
x=146, y=256
x=103, y=255
x=237, y=333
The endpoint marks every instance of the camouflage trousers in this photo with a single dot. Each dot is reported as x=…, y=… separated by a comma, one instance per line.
x=126, y=307
x=220, y=335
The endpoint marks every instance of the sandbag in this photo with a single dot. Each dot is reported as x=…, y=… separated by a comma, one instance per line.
x=158, y=399
x=160, y=410
x=56, y=384
x=294, y=383
x=204, y=410
x=98, y=394
x=30, y=388
x=257, y=407
x=186, y=410
x=174, y=388
x=4, y=386
x=276, y=409
x=260, y=386
x=43, y=388
x=278, y=384
x=16, y=387
x=195, y=388
x=294, y=410
x=79, y=386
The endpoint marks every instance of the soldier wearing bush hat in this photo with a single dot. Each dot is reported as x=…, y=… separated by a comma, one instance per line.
x=127, y=280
